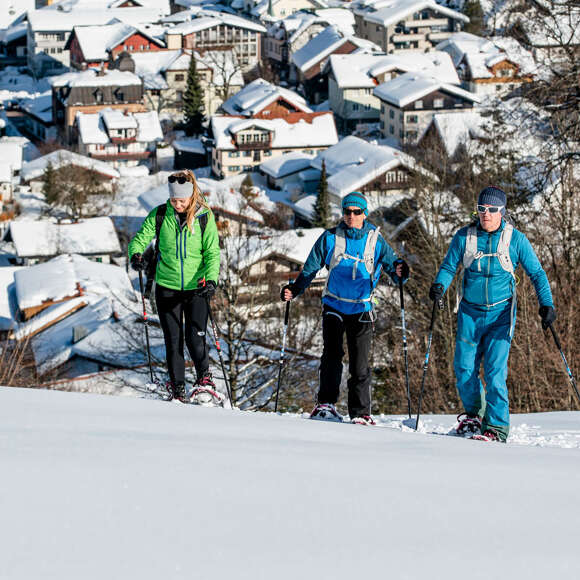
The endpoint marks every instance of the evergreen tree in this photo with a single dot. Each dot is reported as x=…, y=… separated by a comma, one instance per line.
x=193, y=102
x=474, y=12
x=322, y=215
x=49, y=184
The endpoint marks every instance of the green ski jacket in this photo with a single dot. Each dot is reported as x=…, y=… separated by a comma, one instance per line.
x=184, y=257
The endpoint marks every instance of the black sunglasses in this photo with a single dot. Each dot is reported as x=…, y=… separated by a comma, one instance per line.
x=352, y=211
x=173, y=178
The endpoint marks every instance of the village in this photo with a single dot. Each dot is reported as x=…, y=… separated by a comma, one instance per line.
x=281, y=108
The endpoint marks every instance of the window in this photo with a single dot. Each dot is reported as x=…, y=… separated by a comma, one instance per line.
x=248, y=168
x=382, y=108
x=418, y=104
x=234, y=167
x=412, y=119
x=247, y=153
x=438, y=103
x=355, y=106
x=367, y=107
x=98, y=96
x=391, y=114
x=267, y=154
x=179, y=77
x=120, y=95
x=233, y=154
x=391, y=130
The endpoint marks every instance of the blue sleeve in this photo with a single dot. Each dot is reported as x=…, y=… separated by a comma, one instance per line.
x=453, y=259
x=387, y=259
x=315, y=262
x=531, y=265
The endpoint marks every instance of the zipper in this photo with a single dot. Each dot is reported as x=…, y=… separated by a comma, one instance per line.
x=488, y=268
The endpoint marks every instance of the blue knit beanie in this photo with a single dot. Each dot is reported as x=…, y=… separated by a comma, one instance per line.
x=356, y=199
x=492, y=196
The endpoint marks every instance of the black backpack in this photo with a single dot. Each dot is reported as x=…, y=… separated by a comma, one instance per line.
x=151, y=257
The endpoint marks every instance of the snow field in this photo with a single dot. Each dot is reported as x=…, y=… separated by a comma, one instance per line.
x=118, y=487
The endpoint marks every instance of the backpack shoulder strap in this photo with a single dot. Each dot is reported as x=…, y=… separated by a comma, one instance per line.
x=339, y=248
x=503, y=248
x=159, y=217
x=470, y=246
x=203, y=218
x=370, y=247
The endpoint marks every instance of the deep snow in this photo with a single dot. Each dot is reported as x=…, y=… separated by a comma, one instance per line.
x=95, y=486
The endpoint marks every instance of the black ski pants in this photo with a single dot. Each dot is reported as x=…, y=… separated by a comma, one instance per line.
x=176, y=307
x=359, y=331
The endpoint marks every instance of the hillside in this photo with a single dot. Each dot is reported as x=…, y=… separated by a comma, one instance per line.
x=97, y=487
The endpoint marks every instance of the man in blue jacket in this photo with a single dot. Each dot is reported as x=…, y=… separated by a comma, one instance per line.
x=355, y=254
x=489, y=251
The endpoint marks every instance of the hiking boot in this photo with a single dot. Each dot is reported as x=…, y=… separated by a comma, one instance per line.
x=363, y=420
x=325, y=412
x=489, y=435
x=180, y=392
x=468, y=424
x=205, y=381
x=169, y=388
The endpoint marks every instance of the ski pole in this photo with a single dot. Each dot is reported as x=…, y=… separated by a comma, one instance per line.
x=436, y=304
x=280, y=368
x=570, y=375
x=401, y=294
x=146, y=321
x=219, y=350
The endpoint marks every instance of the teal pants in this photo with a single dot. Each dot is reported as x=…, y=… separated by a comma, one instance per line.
x=484, y=334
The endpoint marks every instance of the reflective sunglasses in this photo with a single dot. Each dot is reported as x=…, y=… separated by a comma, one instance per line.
x=352, y=211
x=490, y=208
x=173, y=178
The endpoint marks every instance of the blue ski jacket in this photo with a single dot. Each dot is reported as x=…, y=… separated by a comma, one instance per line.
x=485, y=282
x=341, y=281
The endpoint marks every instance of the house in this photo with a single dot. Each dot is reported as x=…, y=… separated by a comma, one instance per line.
x=10, y=167
x=190, y=153
x=8, y=309
x=164, y=77
x=353, y=77
x=285, y=170
x=33, y=171
x=49, y=29
x=409, y=102
x=39, y=240
x=219, y=31
x=90, y=91
x=265, y=100
x=308, y=62
x=491, y=67
x=382, y=173
x=95, y=46
x=400, y=25
x=13, y=45
x=117, y=137
x=272, y=10
x=37, y=117
x=241, y=145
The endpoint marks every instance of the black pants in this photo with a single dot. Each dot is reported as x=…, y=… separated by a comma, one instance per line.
x=174, y=308
x=358, y=328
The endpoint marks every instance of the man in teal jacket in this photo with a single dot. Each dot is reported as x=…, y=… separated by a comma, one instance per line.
x=355, y=254
x=489, y=251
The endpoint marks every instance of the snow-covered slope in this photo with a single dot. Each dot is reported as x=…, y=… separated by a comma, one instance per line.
x=124, y=488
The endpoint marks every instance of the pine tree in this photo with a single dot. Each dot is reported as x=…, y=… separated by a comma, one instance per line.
x=474, y=12
x=193, y=102
x=49, y=184
x=322, y=207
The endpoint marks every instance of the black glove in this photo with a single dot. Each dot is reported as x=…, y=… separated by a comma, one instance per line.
x=207, y=289
x=405, y=271
x=137, y=262
x=436, y=292
x=295, y=291
x=548, y=315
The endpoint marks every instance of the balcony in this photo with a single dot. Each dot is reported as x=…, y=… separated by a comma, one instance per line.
x=128, y=155
x=438, y=36
x=428, y=22
x=407, y=37
x=254, y=144
x=123, y=139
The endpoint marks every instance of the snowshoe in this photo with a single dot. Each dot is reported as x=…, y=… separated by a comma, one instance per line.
x=467, y=425
x=363, y=420
x=205, y=393
x=326, y=412
x=488, y=435
x=180, y=392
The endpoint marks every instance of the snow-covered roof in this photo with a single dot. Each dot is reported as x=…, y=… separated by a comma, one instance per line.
x=353, y=162
x=412, y=86
x=341, y=18
x=11, y=154
x=455, y=129
x=189, y=145
x=206, y=21
x=288, y=164
x=94, y=128
x=480, y=54
x=95, y=78
x=148, y=127
x=5, y=172
x=14, y=32
x=45, y=238
x=311, y=130
x=7, y=300
x=361, y=70
x=254, y=97
x=396, y=10
x=150, y=66
x=61, y=158
x=13, y=10
x=324, y=44
x=39, y=106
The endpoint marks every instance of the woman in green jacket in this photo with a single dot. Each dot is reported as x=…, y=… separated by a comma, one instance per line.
x=185, y=279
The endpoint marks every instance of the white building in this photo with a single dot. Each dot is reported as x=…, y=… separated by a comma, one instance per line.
x=352, y=79
x=241, y=145
x=409, y=102
x=121, y=139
